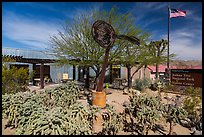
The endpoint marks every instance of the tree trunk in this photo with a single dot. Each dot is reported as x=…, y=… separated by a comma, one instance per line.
x=171, y=128
x=129, y=76
x=145, y=66
x=87, y=78
x=111, y=74
x=157, y=73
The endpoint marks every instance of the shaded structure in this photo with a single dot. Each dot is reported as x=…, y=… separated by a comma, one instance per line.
x=34, y=62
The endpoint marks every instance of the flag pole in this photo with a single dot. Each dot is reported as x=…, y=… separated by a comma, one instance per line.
x=167, y=70
x=168, y=37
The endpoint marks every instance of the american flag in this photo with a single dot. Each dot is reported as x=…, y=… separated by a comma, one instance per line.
x=177, y=13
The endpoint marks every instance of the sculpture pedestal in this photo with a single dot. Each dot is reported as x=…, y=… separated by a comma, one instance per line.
x=99, y=98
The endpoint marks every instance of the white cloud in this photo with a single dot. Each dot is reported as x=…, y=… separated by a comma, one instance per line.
x=185, y=49
x=32, y=32
x=185, y=43
x=154, y=5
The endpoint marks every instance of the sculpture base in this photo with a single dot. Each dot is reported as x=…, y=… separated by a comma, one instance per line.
x=99, y=98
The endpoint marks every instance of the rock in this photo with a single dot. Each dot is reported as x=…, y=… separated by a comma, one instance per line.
x=108, y=92
x=174, y=133
x=134, y=91
x=125, y=103
x=149, y=92
x=125, y=90
x=125, y=93
x=197, y=132
x=185, y=123
x=86, y=92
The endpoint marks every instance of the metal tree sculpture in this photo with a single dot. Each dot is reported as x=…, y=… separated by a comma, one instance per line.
x=104, y=34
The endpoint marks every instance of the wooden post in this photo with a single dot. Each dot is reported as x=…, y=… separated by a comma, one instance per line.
x=34, y=67
x=74, y=72
x=41, y=76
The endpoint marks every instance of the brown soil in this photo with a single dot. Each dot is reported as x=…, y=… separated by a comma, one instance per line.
x=7, y=131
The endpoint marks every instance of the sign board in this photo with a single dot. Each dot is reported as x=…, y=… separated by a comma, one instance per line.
x=186, y=77
x=65, y=76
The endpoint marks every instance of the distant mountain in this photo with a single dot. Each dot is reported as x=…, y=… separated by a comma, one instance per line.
x=185, y=63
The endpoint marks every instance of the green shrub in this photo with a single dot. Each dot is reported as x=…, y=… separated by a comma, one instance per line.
x=192, y=91
x=59, y=121
x=141, y=84
x=171, y=87
x=14, y=80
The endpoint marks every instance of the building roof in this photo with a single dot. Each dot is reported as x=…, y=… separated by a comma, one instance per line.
x=163, y=67
x=196, y=67
x=32, y=54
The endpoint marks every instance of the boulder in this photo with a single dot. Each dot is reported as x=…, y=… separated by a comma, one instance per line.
x=126, y=103
x=149, y=92
x=134, y=91
x=185, y=122
x=197, y=132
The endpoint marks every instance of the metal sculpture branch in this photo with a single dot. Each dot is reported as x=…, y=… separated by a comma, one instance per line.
x=104, y=34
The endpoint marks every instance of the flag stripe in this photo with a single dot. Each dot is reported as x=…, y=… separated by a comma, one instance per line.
x=177, y=13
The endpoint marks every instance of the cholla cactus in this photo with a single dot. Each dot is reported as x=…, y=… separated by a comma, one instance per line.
x=145, y=111
x=112, y=122
x=173, y=113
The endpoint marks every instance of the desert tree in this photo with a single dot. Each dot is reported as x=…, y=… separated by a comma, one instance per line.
x=75, y=44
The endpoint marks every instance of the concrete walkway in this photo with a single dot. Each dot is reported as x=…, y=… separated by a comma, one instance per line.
x=47, y=86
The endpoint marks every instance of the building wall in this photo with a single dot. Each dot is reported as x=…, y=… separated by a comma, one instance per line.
x=143, y=72
x=56, y=72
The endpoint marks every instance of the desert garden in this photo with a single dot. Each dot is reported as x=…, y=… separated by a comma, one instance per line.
x=67, y=110
x=142, y=107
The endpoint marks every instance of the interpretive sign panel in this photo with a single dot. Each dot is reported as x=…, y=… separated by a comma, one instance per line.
x=186, y=77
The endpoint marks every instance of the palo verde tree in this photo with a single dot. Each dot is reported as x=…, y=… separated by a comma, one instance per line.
x=75, y=44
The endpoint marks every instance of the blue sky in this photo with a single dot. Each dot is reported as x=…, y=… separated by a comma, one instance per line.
x=28, y=25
